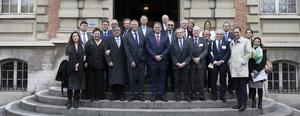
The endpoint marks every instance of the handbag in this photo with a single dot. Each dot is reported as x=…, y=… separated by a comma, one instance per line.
x=268, y=67
x=211, y=65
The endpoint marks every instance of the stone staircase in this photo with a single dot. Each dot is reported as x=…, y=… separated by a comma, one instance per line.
x=53, y=103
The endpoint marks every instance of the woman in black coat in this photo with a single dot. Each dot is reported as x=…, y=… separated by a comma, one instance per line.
x=96, y=66
x=256, y=64
x=75, y=56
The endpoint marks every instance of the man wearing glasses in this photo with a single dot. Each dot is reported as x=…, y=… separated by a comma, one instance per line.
x=172, y=37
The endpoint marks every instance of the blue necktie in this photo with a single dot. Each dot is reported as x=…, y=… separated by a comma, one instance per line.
x=196, y=46
x=136, y=39
x=144, y=28
x=180, y=45
x=84, y=41
x=219, y=47
x=118, y=42
x=226, y=37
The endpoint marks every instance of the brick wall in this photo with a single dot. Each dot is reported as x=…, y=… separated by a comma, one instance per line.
x=241, y=11
x=54, y=21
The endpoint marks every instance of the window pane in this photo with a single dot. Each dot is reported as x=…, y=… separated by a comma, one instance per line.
x=5, y=1
x=30, y=1
x=5, y=8
x=13, y=1
x=24, y=1
x=30, y=8
x=282, y=8
x=292, y=7
x=282, y=1
x=24, y=8
x=13, y=8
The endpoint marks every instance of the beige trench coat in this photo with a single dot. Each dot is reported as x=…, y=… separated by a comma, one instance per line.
x=240, y=55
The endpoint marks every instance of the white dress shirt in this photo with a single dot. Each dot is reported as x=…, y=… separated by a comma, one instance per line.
x=144, y=30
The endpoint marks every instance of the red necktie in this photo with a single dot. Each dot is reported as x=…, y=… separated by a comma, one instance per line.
x=157, y=40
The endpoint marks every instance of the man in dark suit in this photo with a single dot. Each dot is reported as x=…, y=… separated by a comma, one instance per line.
x=184, y=26
x=114, y=23
x=165, y=19
x=116, y=62
x=136, y=58
x=219, y=52
x=127, y=29
x=198, y=63
x=206, y=35
x=172, y=37
x=105, y=33
x=158, y=48
x=146, y=31
x=228, y=37
x=181, y=54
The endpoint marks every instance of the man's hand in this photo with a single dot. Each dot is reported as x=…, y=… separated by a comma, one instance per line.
x=110, y=64
x=196, y=60
x=86, y=65
x=107, y=52
x=77, y=64
x=132, y=64
x=158, y=58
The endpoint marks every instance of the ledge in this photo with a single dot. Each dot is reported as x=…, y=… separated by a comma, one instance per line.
x=26, y=43
x=279, y=17
x=281, y=44
x=4, y=16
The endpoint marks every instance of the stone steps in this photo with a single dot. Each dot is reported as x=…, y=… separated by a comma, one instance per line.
x=45, y=97
x=2, y=110
x=281, y=110
x=28, y=103
x=56, y=91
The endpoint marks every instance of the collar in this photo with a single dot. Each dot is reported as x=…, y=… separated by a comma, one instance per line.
x=118, y=37
x=157, y=34
x=135, y=32
x=196, y=38
x=145, y=26
x=105, y=31
x=240, y=39
x=83, y=32
x=181, y=40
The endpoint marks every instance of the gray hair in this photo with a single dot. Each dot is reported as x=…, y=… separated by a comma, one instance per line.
x=227, y=23
x=114, y=20
x=183, y=20
x=178, y=29
x=157, y=23
x=144, y=16
x=165, y=15
x=218, y=30
x=172, y=22
x=233, y=26
x=206, y=31
x=134, y=21
x=196, y=27
x=116, y=27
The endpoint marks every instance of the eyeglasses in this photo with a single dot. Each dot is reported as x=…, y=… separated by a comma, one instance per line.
x=170, y=25
x=116, y=30
x=219, y=34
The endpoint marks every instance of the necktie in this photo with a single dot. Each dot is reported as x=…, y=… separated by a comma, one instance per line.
x=118, y=42
x=84, y=41
x=136, y=39
x=226, y=36
x=219, y=46
x=157, y=40
x=170, y=32
x=180, y=42
x=105, y=35
x=144, y=28
x=196, y=46
x=165, y=27
x=185, y=36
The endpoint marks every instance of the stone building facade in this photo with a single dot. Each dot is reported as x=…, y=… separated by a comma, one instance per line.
x=34, y=33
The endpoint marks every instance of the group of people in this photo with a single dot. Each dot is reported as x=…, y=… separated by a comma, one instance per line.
x=184, y=54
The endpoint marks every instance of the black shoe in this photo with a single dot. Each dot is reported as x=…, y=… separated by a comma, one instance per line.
x=193, y=99
x=153, y=99
x=177, y=99
x=202, y=99
x=214, y=99
x=93, y=99
x=122, y=98
x=113, y=97
x=236, y=107
x=107, y=90
x=83, y=96
x=97, y=99
x=187, y=99
x=130, y=99
x=253, y=104
x=242, y=108
x=230, y=91
x=259, y=105
x=223, y=99
x=142, y=99
x=75, y=104
x=164, y=99
x=69, y=104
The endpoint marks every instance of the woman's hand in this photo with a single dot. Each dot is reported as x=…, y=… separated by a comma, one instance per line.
x=77, y=64
x=255, y=72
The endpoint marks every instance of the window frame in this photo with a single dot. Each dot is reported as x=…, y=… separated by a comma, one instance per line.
x=277, y=9
x=19, y=9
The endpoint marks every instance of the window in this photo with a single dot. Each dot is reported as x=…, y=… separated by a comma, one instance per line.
x=279, y=6
x=17, y=6
x=14, y=75
x=283, y=79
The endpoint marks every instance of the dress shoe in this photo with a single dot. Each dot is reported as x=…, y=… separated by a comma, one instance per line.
x=153, y=99
x=193, y=99
x=242, y=108
x=130, y=99
x=164, y=99
x=113, y=97
x=259, y=105
x=93, y=99
x=230, y=91
x=142, y=99
x=236, y=107
x=202, y=99
x=177, y=99
x=83, y=96
x=122, y=98
x=209, y=90
x=187, y=99
x=97, y=99
x=69, y=104
x=107, y=90
x=214, y=99
x=223, y=99
x=75, y=104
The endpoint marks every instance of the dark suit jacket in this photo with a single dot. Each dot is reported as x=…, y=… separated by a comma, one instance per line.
x=108, y=34
x=178, y=56
x=230, y=37
x=123, y=32
x=88, y=35
x=173, y=36
x=223, y=55
x=254, y=66
x=149, y=31
x=202, y=51
x=135, y=53
x=153, y=50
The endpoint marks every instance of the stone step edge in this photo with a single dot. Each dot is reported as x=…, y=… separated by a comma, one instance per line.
x=281, y=110
x=44, y=108
x=58, y=100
